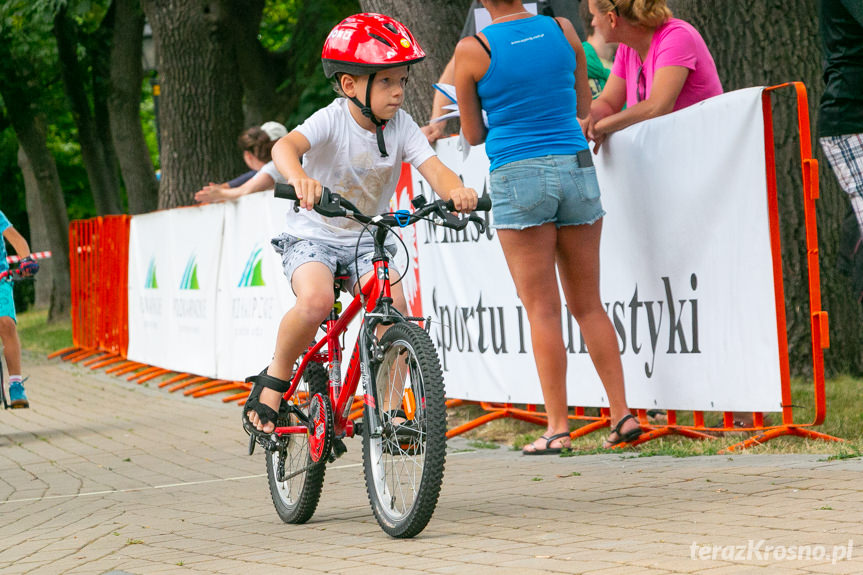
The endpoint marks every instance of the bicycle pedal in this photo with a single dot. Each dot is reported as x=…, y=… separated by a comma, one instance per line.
x=339, y=449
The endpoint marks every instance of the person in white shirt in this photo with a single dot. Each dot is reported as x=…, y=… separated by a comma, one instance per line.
x=257, y=144
x=355, y=146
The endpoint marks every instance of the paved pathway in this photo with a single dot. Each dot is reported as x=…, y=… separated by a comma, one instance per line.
x=102, y=476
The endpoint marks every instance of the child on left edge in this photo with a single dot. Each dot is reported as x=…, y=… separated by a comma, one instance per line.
x=8, y=320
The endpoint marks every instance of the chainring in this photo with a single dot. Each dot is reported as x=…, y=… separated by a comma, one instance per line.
x=321, y=431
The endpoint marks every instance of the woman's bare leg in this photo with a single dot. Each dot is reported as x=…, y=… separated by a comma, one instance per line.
x=578, y=265
x=530, y=255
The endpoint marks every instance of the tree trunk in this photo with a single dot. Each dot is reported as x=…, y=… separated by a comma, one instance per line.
x=124, y=103
x=436, y=26
x=105, y=195
x=38, y=239
x=19, y=96
x=767, y=43
x=98, y=46
x=200, y=106
x=256, y=64
x=274, y=96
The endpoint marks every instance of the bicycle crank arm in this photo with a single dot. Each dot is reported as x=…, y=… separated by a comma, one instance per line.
x=299, y=471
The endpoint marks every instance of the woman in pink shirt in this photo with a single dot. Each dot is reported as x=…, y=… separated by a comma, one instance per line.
x=662, y=65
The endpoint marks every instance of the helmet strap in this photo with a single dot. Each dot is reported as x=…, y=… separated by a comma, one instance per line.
x=366, y=110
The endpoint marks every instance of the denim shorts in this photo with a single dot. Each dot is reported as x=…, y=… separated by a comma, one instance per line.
x=532, y=192
x=339, y=259
x=7, y=300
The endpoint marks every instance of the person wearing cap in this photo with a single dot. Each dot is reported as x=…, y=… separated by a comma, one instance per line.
x=257, y=144
x=354, y=146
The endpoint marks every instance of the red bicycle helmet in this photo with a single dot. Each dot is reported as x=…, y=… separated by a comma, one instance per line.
x=365, y=43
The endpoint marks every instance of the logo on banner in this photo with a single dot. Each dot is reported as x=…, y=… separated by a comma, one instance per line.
x=250, y=307
x=151, y=282
x=190, y=274
x=252, y=274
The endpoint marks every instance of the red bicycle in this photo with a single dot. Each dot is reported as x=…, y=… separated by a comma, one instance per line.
x=404, y=415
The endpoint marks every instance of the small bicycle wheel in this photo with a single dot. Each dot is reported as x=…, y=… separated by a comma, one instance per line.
x=404, y=458
x=296, y=496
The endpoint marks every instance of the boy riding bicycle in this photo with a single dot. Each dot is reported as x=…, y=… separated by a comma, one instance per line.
x=8, y=321
x=355, y=146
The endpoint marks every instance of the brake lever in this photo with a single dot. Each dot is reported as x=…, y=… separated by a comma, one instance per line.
x=450, y=220
x=329, y=205
x=479, y=221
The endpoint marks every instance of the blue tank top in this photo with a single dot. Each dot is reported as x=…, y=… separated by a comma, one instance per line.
x=528, y=92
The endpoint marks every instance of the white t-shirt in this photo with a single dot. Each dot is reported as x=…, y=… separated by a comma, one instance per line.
x=345, y=158
x=270, y=169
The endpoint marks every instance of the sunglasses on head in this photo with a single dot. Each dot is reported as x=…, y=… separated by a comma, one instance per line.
x=640, y=85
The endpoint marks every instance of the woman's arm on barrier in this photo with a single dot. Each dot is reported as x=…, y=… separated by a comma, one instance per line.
x=471, y=62
x=582, y=85
x=286, y=155
x=667, y=84
x=216, y=193
x=610, y=101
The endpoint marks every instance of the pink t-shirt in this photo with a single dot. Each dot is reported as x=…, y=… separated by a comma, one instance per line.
x=674, y=43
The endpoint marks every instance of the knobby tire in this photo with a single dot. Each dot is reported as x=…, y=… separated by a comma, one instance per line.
x=297, y=498
x=404, y=465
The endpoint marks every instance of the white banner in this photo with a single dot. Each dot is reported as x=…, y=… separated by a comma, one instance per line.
x=686, y=273
x=253, y=292
x=174, y=260
x=686, y=276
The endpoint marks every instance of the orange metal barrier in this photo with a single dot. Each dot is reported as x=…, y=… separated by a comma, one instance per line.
x=98, y=262
x=99, y=268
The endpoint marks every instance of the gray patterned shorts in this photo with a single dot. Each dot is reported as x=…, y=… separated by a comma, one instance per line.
x=340, y=260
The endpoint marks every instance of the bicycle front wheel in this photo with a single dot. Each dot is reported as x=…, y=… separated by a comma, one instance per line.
x=404, y=456
x=295, y=480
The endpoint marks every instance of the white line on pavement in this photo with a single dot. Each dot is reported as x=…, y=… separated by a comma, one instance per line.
x=169, y=485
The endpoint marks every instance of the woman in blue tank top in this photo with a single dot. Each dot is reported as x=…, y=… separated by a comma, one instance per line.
x=529, y=74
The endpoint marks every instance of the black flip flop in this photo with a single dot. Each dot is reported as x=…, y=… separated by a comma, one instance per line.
x=630, y=435
x=548, y=450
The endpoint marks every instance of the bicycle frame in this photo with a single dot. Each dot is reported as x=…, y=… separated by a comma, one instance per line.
x=376, y=292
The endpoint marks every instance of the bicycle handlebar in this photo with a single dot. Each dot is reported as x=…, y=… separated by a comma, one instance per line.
x=13, y=275
x=333, y=205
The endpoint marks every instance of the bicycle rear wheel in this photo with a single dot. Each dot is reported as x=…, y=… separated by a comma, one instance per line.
x=3, y=388
x=404, y=459
x=296, y=497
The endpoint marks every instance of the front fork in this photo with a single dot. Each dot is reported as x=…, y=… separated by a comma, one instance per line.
x=370, y=352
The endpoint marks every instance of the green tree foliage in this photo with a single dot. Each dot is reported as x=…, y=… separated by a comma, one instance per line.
x=26, y=25
x=26, y=28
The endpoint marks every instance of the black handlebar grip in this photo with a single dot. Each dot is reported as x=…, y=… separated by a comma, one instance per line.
x=285, y=192
x=483, y=204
